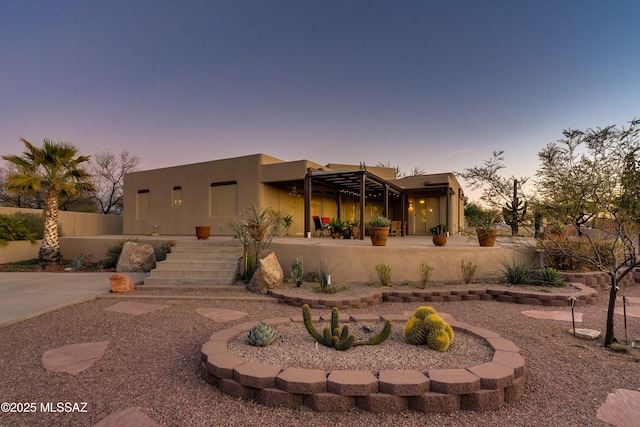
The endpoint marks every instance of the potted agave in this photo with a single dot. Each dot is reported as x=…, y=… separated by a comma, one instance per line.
x=439, y=234
x=487, y=232
x=379, y=230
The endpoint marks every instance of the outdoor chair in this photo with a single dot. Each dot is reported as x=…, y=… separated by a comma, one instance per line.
x=318, y=227
x=326, y=228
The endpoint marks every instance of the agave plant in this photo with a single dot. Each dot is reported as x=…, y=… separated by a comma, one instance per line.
x=261, y=335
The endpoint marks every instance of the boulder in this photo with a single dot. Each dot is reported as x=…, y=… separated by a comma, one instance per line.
x=268, y=275
x=121, y=283
x=136, y=257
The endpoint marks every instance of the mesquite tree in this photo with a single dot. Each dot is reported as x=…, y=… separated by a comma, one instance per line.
x=599, y=170
x=505, y=194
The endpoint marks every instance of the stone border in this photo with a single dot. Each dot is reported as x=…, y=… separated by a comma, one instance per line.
x=478, y=388
x=585, y=295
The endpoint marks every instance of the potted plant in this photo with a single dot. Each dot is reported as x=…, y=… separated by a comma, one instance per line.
x=486, y=231
x=336, y=225
x=203, y=232
x=379, y=230
x=287, y=221
x=439, y=233
x=355, y=229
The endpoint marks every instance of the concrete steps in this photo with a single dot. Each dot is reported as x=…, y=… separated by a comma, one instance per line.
x=198, y=263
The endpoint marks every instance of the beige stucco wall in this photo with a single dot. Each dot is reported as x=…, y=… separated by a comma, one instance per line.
x=79, y=223
x=19, y=251
x=357, y=264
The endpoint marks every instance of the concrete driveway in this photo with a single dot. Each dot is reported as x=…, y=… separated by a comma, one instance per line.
x=24, y=295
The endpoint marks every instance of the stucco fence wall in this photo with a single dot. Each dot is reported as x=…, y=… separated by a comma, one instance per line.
x=72, y=223
x=351, y=264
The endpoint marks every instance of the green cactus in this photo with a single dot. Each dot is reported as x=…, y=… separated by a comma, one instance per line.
x=438, y=340
x=415, y=331
x=261, y=335
x=427, y=327
x=340, y=339
x=515, y=211
x=423, y=311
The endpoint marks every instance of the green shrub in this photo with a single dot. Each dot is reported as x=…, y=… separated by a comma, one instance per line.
x=425, y=274
x=384, y=274
x=468, y=269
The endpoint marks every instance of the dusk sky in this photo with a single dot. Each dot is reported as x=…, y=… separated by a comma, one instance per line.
x=433, y=84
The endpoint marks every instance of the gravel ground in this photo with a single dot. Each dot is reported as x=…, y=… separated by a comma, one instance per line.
x=152, y=363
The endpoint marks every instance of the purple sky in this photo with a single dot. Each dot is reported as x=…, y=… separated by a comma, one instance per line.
x=433, y=84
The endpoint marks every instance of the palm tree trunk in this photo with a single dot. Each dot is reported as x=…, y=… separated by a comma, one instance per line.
x=50, y=248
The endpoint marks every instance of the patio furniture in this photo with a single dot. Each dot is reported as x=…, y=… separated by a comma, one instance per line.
x=396, y=228
x=318, y=227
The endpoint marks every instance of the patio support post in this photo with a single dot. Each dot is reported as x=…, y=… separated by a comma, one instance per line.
x=362, y=203
x=386, y=201
x=403, y=203
x=307, y=203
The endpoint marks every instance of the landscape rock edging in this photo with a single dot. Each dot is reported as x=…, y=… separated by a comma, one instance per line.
x=477, y=388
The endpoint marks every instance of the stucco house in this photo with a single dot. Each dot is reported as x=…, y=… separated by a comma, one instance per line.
x=176, y=199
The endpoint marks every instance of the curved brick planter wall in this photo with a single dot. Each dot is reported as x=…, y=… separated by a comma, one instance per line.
x=585, y=295
x=476, y=388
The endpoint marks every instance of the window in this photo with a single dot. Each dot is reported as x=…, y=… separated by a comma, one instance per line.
x=143, y=202
x=223, y=199
x=176, y=197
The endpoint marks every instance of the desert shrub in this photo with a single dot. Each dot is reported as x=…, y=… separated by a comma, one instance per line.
x=516, y=273
x=165, y=249
x=468, y=269
x=549, y=276
x=425, y=274
x=384, y=274
x=557, y=253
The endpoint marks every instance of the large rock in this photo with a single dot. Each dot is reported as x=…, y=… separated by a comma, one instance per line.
x=268, y=275
x=136, y=257
x=121, y=283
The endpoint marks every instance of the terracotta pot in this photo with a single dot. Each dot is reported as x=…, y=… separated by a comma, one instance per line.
x=355, y=231
x=379, y=235
x=486, y=238
x=257, y=233
x=203, y=232
x=336, y=234
x=439, y=240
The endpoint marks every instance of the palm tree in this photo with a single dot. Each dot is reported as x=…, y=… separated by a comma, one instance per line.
x=55, y=169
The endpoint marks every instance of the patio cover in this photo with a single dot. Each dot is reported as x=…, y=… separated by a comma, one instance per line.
x=358, y=181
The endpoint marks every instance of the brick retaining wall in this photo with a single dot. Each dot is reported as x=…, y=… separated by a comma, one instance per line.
x=477, y=388
x=585, y=295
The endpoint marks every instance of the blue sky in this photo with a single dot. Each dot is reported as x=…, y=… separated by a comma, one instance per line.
x=433, y=84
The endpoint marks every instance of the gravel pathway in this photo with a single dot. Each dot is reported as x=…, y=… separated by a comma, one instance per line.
x=151, y=362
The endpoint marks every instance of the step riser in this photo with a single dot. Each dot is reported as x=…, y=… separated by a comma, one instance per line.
x=200, y=256
x=187, y=282
x=191, y=274
x=208, y=244
x=197, y=265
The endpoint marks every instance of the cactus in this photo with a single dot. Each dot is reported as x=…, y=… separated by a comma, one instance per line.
x=340, y=339
x=438, y=339
x=427, y=327
x=261, y=335
x=515, y=211
x=423, y=312
x=415, y=331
